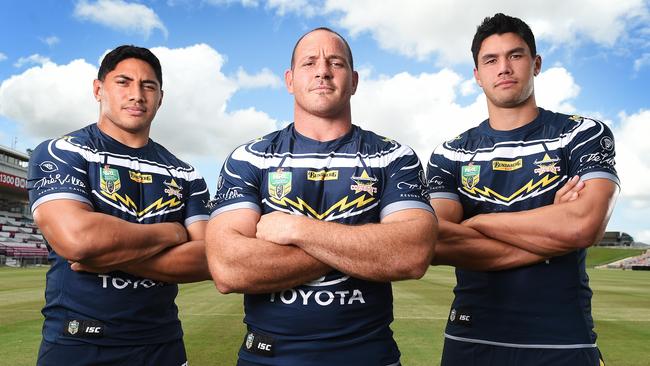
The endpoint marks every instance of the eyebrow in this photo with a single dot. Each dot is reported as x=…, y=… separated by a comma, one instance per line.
x=514, y=50
x=146, y=81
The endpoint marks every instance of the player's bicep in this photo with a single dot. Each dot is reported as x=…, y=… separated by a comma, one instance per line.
x=448, y=209
x=61, y=221
x=196, y=230
x=597, y=198
x=237, y=222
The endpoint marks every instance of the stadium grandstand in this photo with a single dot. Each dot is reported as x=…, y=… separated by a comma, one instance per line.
x=616, y=239
x=21, y=243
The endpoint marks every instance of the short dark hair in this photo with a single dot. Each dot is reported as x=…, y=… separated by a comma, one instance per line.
x=347, y=46
x=500, y=24
x=123, y=52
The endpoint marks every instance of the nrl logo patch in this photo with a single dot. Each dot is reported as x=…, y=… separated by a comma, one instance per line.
x=73, y=327
x=364, y=183
x=173, y=189
x=109, y=180
x=279, y=183
x=547, y=165
x=470, y=175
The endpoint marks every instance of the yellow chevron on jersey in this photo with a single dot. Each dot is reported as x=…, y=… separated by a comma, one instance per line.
x=529, y=188
x=157, y=206
x=341, y=206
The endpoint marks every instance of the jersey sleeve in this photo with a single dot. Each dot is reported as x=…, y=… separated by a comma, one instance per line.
x=197, y=203
x=57, y=173
x=592, y=152
x=441, y=181
x=405, y=187
x=238, y=186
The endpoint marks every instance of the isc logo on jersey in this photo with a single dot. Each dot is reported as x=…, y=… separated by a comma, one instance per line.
x=307, y=297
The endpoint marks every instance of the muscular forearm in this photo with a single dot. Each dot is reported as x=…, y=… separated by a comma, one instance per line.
x=466, y=248
x=180, y=264
x=387, y=251
x=246, y=265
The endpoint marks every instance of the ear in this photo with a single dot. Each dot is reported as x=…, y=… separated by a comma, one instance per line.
x=537, y=68
x=477, y=78
x=98, y=89
x=162, y=94
x=288, y=80
x=355, y=81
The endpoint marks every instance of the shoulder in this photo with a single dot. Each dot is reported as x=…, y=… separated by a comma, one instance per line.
x=372, y=143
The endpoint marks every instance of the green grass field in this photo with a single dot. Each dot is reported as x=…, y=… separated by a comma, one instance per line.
x=214, y=330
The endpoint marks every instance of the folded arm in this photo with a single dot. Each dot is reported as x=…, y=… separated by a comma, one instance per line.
x=79, y=234
x=239, y=262
x=464, y=247
x=555, y=229
x=398, y=248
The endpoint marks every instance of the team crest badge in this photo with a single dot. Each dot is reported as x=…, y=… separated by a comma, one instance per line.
x=470, y=175
x=73, y=327
x=173, y=189
x=547, y=165
x=364, y=183
x=279, y=183
x=249, y=340
x=109, y=180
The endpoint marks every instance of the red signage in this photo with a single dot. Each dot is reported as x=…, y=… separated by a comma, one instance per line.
x=13, y=181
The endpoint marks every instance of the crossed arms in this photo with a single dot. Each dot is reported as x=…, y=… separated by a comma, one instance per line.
x=496, y=241
x=97, y=242
x=252, y=254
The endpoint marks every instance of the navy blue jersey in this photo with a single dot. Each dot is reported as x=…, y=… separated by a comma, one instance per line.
x=356, y=179
x=547, y=305
x=145, y=185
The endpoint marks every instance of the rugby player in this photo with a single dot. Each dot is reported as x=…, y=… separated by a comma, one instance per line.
x=517, y=238
x=124, y=221
x=313, y=221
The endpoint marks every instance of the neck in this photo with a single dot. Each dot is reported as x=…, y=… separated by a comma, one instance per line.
x=322, y=128
x=135, y=139
x=506, y=119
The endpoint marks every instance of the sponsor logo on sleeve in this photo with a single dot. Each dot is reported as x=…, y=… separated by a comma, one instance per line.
x=48, y=167
x=607, y=143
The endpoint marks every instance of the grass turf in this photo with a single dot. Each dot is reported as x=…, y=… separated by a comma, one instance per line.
x=214, y=330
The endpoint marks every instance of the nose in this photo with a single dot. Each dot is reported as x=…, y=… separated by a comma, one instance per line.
x=504, y=66
x=135, y=93
x=323, y=70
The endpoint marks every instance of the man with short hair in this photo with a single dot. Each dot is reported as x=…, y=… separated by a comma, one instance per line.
x=520, y=197
x=124, y=220
x=312, y=222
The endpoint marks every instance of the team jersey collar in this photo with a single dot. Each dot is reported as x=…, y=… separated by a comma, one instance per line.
x=542, y=118
x=118, y=144
x=320, y=145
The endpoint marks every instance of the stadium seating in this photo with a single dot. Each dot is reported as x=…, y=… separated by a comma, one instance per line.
x=21, y=242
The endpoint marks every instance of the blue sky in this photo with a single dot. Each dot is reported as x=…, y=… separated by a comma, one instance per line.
x=224, y=60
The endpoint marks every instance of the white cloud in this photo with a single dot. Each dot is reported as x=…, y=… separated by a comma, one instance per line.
x=642, y=62
x=301, y=7
x=120, y=15
x=423, y=28
x=34, y=59
x=548, y=85
x=52, y=100
x=643, y=236
x=51, y=40
x=633, y=157
x=263, y=79
x=2, y=56
x=244, y=3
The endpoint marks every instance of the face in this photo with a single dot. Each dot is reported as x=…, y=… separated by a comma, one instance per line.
x=129, y=98
x=506, y=70
x=321, y=80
